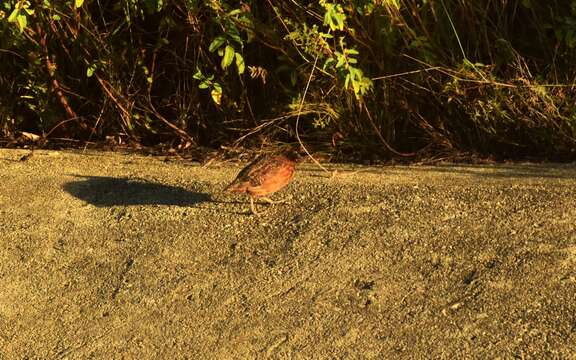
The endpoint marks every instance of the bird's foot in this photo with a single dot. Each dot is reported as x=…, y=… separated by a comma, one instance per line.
x=272, y=202
x=252, y=207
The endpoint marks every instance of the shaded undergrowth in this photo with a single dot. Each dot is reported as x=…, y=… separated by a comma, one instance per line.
x=357, y=79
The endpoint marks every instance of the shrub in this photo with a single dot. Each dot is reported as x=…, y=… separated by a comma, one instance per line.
x=364, y=78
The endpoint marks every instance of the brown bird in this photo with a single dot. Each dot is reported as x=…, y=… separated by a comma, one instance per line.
x=267, y=174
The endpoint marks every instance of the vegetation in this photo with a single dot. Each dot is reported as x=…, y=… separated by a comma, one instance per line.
x=360, y=79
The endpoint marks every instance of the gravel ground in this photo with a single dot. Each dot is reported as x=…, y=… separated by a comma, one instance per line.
x=109, y=256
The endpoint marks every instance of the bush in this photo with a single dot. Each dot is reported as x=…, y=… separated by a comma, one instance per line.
x=364, y=78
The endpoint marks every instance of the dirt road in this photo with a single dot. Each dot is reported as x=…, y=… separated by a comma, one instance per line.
x=110, y=256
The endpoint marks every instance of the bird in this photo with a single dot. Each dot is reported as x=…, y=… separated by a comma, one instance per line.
x=267, y=174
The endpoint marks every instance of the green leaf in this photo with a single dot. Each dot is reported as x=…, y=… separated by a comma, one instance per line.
x=334, y=16
x=22, y=22
x=204, y=85
x=327, y=63
x=339, y=20
x=216, y=43
x=354, y=73
x=328, y=14
x=240, y=63
x=341, y=61
x=56, y=17
x=78, y=3
x=228, y=56
x=355, y=86
x=90, y=70
x=394, y=3
x=234, y=34
x=328, y=21
x=216, y=94
x=14, y=14
x=198, y=75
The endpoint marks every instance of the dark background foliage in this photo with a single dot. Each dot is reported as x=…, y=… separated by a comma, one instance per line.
x=363, y=79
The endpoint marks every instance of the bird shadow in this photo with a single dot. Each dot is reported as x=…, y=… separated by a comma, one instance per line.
x=103, y=191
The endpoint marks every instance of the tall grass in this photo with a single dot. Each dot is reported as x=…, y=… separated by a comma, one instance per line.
x=393, y=78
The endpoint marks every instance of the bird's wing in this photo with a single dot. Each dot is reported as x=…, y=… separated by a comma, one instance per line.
x=265, y=169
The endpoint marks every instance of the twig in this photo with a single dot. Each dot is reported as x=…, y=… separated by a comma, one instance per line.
x=50, y=67
x=298, y=118
x=407, y=73
x=382, y=137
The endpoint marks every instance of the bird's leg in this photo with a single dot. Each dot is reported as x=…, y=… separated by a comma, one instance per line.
x=252, y=208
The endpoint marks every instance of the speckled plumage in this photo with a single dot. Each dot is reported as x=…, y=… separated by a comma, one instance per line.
x=264, y=176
